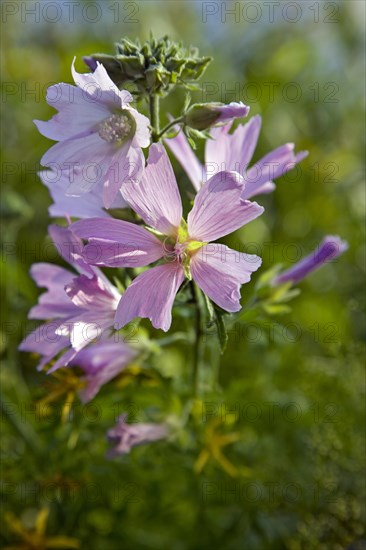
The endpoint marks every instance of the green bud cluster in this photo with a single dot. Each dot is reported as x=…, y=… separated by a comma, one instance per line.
x=155, y=66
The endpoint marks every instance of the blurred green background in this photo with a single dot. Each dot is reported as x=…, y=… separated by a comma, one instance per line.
x=293, y=383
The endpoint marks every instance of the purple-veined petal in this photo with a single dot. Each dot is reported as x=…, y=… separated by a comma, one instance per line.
x=151, y=295
x=220, y=271
x=88, y=151
x=116, y=243
x=70, y=247
x=184, y=154
x=218, y=210
x=127, y=163
x=156, y=196
x=76, y=114
x=273, y=165
x=234, y=151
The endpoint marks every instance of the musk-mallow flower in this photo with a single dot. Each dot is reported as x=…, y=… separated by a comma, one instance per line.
x=183, y=246
x=100, y=135
x=330, y=248
x=234, y=152
x=101, y=361
x=78, y=306
x=125, y=436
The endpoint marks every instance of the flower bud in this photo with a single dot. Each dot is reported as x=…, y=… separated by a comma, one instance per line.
x=330, y=248
x=204, y=115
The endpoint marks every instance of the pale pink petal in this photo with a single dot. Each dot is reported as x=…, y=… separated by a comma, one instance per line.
x=70, y=247
x=217, y=209
x=85, y=206
x=67, y=155
x=117, y=243
x=76, y=114
x=98, y=87
x=142, y=136
x=184, y=154
x=273, y=165
x=220, y=271
x=127, y=163
x=151, y=295
x=101, y=362
x=156, y=197
x=54, y=303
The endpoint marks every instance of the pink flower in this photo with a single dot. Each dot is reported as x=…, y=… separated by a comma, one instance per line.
x=218, y=270
x=234, y=152
x=101, y=361
x=100, y=136
x=127, y=436
x=81, y=305
x=68, y=206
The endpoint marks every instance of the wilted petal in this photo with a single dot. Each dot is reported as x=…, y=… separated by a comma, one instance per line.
x=156, y=197
x=218, y=210
x=330, y=248
x=151, y=295
x=116, y=243
x=220, y=271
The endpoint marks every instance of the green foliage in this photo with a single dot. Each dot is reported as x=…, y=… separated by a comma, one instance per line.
x=281, y=422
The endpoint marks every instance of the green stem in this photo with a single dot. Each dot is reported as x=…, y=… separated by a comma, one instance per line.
x=199, y=344
x=154, y=117
x=170, y=125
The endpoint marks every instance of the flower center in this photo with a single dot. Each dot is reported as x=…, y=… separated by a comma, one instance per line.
x=117, y=128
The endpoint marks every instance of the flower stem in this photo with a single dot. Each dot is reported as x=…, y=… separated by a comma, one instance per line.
x=170, y=125
x=199, y=344
x=154, y=117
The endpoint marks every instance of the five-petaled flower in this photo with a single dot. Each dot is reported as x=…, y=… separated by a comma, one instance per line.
x=185, y=246
x=234, y=152
x=100, y=135
x=79, y=307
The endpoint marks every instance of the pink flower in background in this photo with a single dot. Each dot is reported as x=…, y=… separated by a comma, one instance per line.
x=101, y=361
x=126, y=436
x=100, y=135
x=81, y=305
x=234, y=152
x=330, y=248
x=67, y=206
x=218, y=270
